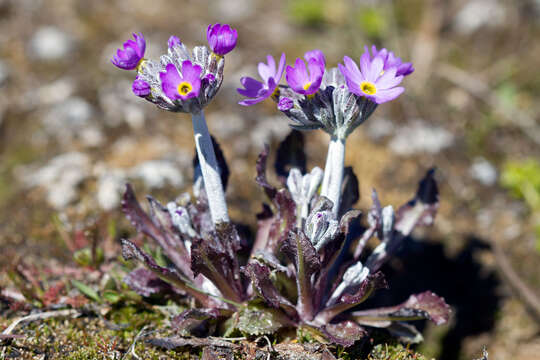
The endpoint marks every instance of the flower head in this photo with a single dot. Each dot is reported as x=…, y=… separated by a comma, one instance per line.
x=257, y=91
x=302, y=81
x=132, y=53
x=391, y=60
x=183, y=86
x=221, y=38
x=371, y=80
x=140, y=87
x=173, y=41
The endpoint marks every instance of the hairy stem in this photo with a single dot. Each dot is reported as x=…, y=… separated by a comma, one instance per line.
x=209, y=169
x=333, y=172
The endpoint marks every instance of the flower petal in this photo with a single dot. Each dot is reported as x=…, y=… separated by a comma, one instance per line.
x=383, y=96
x=170, y=79
x=388, y=79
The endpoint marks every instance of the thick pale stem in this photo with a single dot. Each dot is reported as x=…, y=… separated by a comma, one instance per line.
x=209, y=169
x=333, y=173
x=327, y=170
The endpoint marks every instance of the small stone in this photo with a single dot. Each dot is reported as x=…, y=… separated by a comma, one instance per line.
x=71, y=120
x=269, y=128
x=60, y=177
x=419, y=137
x=50, y=43
x=479, y=13
x=109, y=189
x=379, y=128
x=483, y=171
x=156, y=173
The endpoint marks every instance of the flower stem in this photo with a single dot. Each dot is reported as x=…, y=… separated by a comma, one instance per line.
x=209, y=169
x=333, y=172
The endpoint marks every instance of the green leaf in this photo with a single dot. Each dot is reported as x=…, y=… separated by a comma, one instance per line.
x=112, y=296
x=83, y=257
x=255, y=320
x=86, y=290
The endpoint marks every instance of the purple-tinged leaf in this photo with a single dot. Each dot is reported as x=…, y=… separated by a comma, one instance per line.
x=374, y=218
x=290, y=154
x=345, y=333
x=265, y=219
x=171, y=343
x=425, y=305
x=261, y=174
x=368, y=286
x=283, y=277
x=393, y=229
x=404, y=332
x=145, y=283
x=349, y=191
x=283, y=222
x=200, y=212
x=191, y=321
x=305, y=258
x=223, y=168
x=131, y=251
x=352, y=296
x=138, y=218
x=215, y=258
x=259, y=275
x=156, y=229
x=330, y=253
x=421, y=210
x=173, y=245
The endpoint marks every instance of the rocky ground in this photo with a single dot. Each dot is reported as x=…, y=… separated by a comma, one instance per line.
x=72, y=133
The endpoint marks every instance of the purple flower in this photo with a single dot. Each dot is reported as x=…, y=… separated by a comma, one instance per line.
x=173, y=41
x=391, y=60
x=315, y=54
x=221, y=38
x=298, y=77
x=181, y=86
x=370, y=80
x=285, y=104
x=140, y=87
x=258, y=91
x=130, y=57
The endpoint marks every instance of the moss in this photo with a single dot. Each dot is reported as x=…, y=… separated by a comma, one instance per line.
x=393, y=352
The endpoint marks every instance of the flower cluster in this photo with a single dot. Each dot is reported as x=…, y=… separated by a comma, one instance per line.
x=336, y=100
x=306, y=266
x=181, y=81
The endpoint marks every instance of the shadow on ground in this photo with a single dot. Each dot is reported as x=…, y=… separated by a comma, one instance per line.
x=470, y=288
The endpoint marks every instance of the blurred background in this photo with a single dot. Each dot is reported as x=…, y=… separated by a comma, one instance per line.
x=72, y=133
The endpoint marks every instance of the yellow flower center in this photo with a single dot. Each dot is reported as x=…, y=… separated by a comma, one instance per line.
x=184, y=88
x=368, y=88
x=307, y=85
x=140, y=65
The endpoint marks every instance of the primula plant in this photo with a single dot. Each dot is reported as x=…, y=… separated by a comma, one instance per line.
x=308, y=267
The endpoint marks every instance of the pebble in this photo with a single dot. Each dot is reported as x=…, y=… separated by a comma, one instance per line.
x=157, y=173
x=483, y=171
x=269, y=128
x=377, y=129
x=60, y=177
x=50, y=43
x=479, y=13
x=110, y=186
x=71, y=120
x=418, y=137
